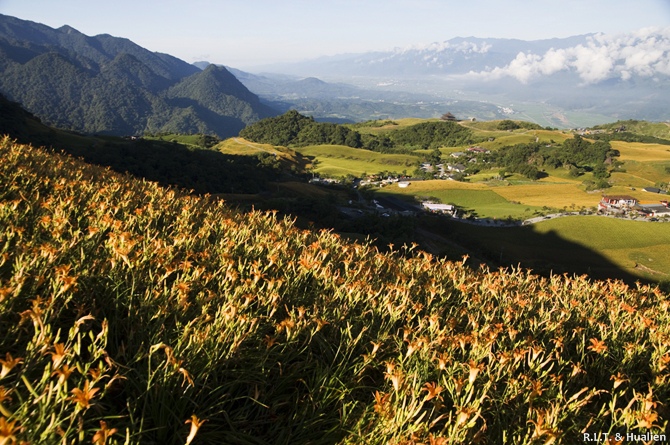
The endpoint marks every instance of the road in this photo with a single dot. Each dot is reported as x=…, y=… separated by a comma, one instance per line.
x=503, y=223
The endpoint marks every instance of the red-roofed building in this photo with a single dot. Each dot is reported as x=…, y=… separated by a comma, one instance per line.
x=617, y=203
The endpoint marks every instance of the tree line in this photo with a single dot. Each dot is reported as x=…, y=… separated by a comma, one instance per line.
x=294, y=129
x=577, y=155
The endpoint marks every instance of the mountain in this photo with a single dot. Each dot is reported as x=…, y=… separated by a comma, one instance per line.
x=456, y=56
x=110, y=85
x=341, y=102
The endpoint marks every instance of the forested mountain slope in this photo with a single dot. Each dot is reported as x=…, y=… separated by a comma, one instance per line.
x=110, y=85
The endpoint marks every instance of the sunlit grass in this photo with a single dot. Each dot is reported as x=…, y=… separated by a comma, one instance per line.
x=337, y=160
x=624, y=243
x=568, y=195
x=642, y=152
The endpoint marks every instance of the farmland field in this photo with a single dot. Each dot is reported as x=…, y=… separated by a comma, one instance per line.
x=477, y=197
x=637, y=151
x=517, y=201
x=557, y=195
x=625, y=243
x=602, y=247
x=240, y=146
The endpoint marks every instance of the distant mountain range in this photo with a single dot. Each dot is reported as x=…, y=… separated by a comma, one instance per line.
x=110, y=85
x=342, y=102
x=615, y=76
x=456, y=56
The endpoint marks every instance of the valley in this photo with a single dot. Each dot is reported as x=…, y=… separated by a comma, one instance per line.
x=501, y=207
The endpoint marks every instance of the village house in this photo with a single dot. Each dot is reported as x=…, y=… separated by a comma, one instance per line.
x=459, y=168
x=478, y=150
x=448, y=117
x=654, y=210
x=427, y=167
x=440, y=208
x=616, y=203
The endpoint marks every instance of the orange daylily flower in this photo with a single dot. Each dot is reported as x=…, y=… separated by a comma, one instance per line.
x=7, y=431
x=381, y=403
x=195, y=426
x=618, y=379
x=8, y=364
x=474, y=370
x=597, y=346
x=58, y=355
x=101, y=436
x=83, y=396
x=63, y=373
x=433, y=391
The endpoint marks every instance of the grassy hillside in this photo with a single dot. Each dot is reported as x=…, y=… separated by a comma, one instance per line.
x=337, y=160
x=654, y=129
x=130, y=313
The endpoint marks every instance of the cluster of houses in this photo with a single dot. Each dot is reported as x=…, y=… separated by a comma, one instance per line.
x=589, y=131
x=624, y=204
x=402, y=181
x=449, y=170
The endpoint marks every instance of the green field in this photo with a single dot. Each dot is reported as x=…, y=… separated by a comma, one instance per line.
x=470, y=197
x=628, y=244
x=602, y=247
x=338, y=160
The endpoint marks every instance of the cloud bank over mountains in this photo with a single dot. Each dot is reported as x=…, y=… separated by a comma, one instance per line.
x=645, y=53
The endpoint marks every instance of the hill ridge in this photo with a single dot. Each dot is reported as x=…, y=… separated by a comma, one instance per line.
x=125, y=90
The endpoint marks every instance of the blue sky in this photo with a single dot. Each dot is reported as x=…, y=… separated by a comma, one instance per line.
x=248, y=33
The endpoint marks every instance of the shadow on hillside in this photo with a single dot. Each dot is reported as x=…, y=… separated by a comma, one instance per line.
x=168, y=163
x=544, y=253
x=172, y=164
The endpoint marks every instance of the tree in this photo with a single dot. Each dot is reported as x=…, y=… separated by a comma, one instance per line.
x=600, y=172
x=508, y=125
x=435, y=156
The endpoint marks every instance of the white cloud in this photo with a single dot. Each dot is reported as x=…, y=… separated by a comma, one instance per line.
x=462, y=47
x=642, y=53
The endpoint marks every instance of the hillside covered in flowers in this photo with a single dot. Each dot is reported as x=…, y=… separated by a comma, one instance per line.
x=132, y=313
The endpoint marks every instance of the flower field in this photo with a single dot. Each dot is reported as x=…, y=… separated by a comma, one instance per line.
x=131, y=313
